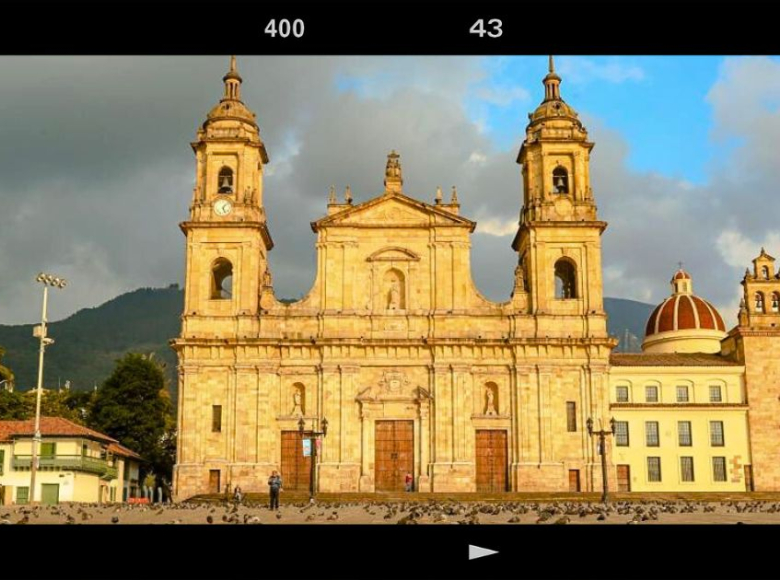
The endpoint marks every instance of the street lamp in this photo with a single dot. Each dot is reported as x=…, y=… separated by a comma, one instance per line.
x=603, y=452
x=312, y=437
x=39, y=332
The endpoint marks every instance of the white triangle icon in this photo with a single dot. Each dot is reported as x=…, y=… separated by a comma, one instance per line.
x=477, y=552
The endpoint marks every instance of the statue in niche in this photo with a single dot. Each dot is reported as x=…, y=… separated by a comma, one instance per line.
x=394, y=298
x=490, y=406
x=267, y=278
x=297, y=403
x=519, y=277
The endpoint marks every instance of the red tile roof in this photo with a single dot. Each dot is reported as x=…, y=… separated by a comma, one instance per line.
x=670, y=360
x=50, y=426
x=118, y=449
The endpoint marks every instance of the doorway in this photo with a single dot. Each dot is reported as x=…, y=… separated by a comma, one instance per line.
x=394, y=454
x=296, y=469
x=214, y=481
x=50, y=493
x=624, y=477
x=491, y=461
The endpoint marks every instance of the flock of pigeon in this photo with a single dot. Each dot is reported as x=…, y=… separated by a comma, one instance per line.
x=404, y=513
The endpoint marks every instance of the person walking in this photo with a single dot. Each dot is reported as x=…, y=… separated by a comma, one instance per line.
x=238, y=495
x=275, y=486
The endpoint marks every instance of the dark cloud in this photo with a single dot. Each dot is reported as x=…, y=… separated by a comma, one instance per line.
x=97, y=170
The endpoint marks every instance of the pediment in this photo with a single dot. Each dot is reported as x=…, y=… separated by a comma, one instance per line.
x=393, y=254
x=393, y=211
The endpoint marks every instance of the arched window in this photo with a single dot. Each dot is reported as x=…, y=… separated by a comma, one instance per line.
x=565, y=279
x=225, y=180
x=394, y=290
x=775, y=301
x=560, y=180
x=221, y=279
x=759, y=302
x=765, y=272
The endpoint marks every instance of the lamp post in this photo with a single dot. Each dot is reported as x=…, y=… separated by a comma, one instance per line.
x=39, y=332
x=312, y=437
x=603, y=452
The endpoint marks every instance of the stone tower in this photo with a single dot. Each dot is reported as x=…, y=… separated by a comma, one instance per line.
x=227, y=235
x=755, y=342
x=559, y=238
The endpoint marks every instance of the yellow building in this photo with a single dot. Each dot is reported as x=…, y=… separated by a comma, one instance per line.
x=396, y=354
x=76, y=464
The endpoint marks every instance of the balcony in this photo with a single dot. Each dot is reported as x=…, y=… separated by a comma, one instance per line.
x=67, y=463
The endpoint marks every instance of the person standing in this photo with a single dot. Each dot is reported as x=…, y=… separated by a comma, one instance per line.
x=274, y=486
x=409, y=481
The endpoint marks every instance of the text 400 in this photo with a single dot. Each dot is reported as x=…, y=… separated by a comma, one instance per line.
x=285, y=28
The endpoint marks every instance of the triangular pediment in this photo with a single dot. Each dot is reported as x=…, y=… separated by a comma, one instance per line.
x=396, y=210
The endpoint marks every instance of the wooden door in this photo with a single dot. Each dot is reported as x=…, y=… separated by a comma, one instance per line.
x=50, y=493
x=296, y=469
x=574, y=480
x=491, y=461
x=624, y=477
x=393, y=454
x=214, y=481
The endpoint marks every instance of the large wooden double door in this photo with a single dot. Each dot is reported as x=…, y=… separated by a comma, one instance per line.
x=296, y=469
x=394, y=454
x=491, y=461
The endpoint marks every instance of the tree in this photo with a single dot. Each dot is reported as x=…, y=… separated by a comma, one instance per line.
x=5, y=373
x=54, y=404
x=13, y=406
x=133, y=406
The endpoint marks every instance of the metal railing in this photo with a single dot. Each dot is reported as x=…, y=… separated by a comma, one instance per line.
x=67, y=463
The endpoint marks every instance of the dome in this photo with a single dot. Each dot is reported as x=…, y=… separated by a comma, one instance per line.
x=684, y=322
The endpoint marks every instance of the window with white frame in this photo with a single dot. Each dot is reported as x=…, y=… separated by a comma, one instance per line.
x=651, y=394
x=719, y=468
x=686, y=468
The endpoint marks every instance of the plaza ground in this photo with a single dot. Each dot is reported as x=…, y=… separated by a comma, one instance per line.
x=419, y=509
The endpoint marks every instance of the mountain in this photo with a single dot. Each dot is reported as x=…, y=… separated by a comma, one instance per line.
x=91, y=340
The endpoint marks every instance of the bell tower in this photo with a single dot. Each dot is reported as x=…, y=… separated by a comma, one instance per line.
x=559, y=237
x=227, y=235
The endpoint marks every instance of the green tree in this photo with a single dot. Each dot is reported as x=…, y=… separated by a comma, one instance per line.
x=54, y=404
x=133, y=406
x=14, y=406
x=5, y=373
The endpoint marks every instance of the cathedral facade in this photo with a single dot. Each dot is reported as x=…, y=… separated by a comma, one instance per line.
x=394, y=358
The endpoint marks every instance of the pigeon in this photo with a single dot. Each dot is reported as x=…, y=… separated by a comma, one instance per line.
x=115, y=520
x=210, y=519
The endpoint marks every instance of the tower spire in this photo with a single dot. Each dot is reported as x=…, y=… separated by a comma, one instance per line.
x=552, y=82
x=232, y=82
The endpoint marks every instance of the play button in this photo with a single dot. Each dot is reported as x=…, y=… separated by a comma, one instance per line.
x=477, y=552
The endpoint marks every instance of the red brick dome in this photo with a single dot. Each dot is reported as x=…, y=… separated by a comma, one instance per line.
x=684, y=312
x=684, y=322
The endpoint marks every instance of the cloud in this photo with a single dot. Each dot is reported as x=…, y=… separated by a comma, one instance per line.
x=497, y=227
x=97, y=170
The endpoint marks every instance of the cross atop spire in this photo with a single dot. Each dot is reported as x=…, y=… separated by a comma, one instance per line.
x=551, y=65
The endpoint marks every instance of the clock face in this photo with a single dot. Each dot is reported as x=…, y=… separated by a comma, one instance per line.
x=222, y=207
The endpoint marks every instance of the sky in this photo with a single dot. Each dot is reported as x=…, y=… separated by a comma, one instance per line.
x=96, y=170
